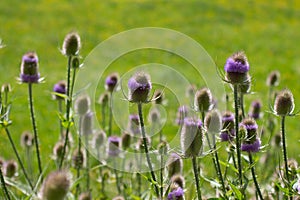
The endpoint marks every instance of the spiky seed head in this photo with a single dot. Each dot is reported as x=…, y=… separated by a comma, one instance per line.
x=27, y=139
x=236, y=68
x=58, y=150
x=30, y=68
x=213, y=121
x=174, y=165
x=203, y=100
x=82, y=105
x=139, y=86
x=87, y=123
x=56, y=185
x=181, y=114
x=72, y=44
x=111, y=82
x=126, y=140
x=284, y=103
x=273, y=78
x=191, y=137
x=10, y=168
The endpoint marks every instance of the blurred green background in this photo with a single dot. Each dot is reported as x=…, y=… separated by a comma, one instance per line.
x=268, y=32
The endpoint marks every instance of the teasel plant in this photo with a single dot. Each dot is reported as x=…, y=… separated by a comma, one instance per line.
x=70, y=49
x=283, y=107
x=139, y=87
x=30, y=75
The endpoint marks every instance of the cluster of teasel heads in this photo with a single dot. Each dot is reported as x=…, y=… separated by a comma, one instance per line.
x=204, y=132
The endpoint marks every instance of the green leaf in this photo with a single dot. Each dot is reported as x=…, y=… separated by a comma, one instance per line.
x=236, y=191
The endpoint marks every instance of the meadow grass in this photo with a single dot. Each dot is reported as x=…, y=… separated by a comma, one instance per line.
x=266, y=31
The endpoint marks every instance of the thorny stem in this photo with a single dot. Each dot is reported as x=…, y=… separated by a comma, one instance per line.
x=87, y=170
x=79, y=154
x=254, y=176
x=146, y=147
x=237, y=136
x=110, y=115
x=242, y=105
x=194, y=161
x=19, y=159
x=36, y=137
x=161, y=175
x=3, y=185
x=60, y=122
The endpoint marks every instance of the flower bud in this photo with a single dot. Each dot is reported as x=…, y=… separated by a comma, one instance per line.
x=56, y=186
x=75, y=63
x=30, y=68
x=191, y=137
x=10, y=168
x=174, y=165
x=228, y=131
x=284, y=103
x=203, y=100
x=273, y=78
x=126, y=139
x=78, y=159
x=255, y=109
x=87, y=123
x=99, y=139
x=158, y=96
x=134, y=124
x=103, y=99
x=71, y=45
x=277, y=140
x=250, y=143
x=139, y=87
x=213, y=121
x=236, y=68
x=85, y=196
x=58, y=150
x=27, y=139
x=111, y=82
x=59, y=88
x=163, y=148
x=6, y=88
x=178, y=180
x=114, y=146
x=82, y=105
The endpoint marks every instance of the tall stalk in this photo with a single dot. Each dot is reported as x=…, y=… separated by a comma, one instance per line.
x=237, y=136
x=146, y=147
x=194, y=162
x=110, y=115
x=34, y=126
x=254, y=176
x=4, y=185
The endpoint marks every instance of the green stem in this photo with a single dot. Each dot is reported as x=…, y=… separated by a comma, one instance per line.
x=117, y=178
x=254, y=176
x=194, y=161
x=237, y=136
x=110, y=115
x=4, y=185
x=146, y=147
x=103, y=115
x=242, y=105
x=60, y=122
x=79, y=154
x=87, y=170
x=36, y=137
x=284, y=151
x=161, y=175
x=19, y=159
x=100, y=172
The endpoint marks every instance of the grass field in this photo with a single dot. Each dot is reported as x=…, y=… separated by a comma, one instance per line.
x=268, y=32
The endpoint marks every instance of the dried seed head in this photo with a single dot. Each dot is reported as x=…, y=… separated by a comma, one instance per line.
x=87, y=123
x=85, y=196
x=213, y=122
x=30, y=68
x=27, y=139
x=10, y=168
x=139, y=87
x=58, y=150
x=99, y=139
x=284, y=103
x=255, y=109
x=126, y=140
x=82, y=105
x=191, y=137
x=111, y=82
x=174, y=165
x=236, y=68
x=113, y=146
x=273, y=78
x=71, y=45
x=56, y=185
x=203, y=100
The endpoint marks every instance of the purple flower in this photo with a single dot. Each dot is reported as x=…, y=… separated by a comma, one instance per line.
x=228, y=131
x=111, y=82
x=252, y=147
x=227, y=135
x=113, y=146
x=181, y=114
x=139, y=88
x=60, y=88
x=30, y=68
x=176, y=194
x=237, y=66
x=255, y=110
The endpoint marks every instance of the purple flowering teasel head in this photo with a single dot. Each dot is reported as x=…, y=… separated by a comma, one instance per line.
x=237, y=68
x=255, y=109
x=59, y=88
x=139, y=86
x=30, y=68
x=114, y=143
x=111, y=82
x=251, y=142
x=181, y=114
x=228, y=131
x=176, y=193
